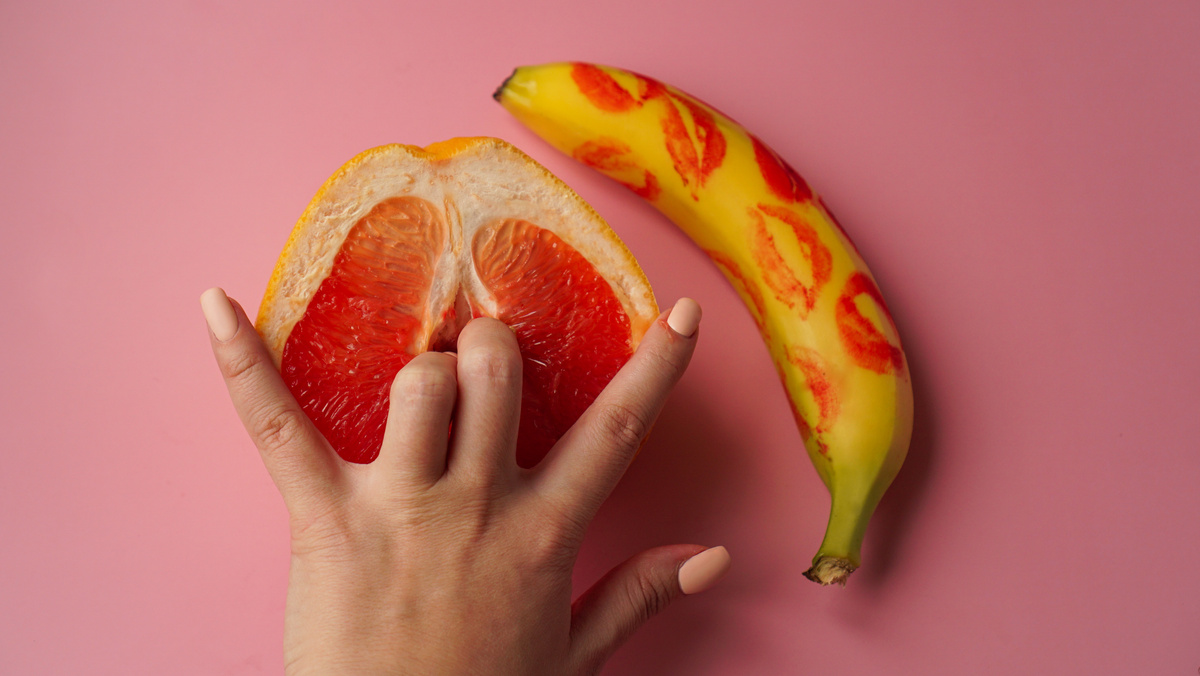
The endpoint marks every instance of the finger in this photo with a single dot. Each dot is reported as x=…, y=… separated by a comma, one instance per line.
x=299, y=460
x=633, y=592
x=489, y=402
x=590, y=458
x=420, y=406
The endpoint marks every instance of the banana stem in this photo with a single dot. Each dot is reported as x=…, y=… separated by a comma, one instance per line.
x=840, y=552
x=827, y=571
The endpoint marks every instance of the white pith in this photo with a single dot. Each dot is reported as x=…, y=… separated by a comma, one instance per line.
x=487, y=182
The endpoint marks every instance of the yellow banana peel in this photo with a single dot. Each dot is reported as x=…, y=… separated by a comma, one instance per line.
x=815, y=302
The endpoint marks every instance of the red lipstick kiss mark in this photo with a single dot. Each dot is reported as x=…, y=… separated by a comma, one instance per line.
x=868, y=347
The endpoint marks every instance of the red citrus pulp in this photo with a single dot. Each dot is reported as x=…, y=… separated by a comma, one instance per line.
x=404, y=245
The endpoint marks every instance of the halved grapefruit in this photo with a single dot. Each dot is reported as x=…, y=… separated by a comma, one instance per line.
x=404, y=245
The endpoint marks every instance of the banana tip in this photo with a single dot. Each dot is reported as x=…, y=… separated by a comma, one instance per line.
x=500, y=90
x=827, y=570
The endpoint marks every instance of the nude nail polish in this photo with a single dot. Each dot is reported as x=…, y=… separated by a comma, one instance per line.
x=703, y=570
x=684, y=317
x=219, y=314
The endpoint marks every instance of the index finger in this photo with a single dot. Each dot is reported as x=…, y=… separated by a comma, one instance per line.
x=298, y=458
x=586, y=463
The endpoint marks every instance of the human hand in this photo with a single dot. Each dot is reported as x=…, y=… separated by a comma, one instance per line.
x=444, y=556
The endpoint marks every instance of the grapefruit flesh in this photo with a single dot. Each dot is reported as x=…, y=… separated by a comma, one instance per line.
x=572, y=330
x=382, y=268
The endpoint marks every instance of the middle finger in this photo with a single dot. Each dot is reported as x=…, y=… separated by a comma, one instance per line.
x=484, y=442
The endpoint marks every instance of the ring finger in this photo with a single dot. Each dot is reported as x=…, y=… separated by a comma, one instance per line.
x=420, y=407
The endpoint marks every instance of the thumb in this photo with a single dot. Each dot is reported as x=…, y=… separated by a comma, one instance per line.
x=606, y=615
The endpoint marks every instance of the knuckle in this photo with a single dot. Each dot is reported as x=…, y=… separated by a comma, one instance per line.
x=621, y=426
x=422, y=380
x=669, y=362
x=491, y=363
x=242, y=365
x=648, y=594
x=277, y=428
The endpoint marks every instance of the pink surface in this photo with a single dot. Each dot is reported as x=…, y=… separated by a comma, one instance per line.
x=1022, y=177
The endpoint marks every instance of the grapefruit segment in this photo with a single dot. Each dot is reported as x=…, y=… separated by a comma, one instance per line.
x=573, y=332
x=403, y=246
x=365, y=322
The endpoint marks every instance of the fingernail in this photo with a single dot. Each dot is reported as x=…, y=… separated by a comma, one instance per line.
x=684, y=317
x=219, y=314
x=703, y=570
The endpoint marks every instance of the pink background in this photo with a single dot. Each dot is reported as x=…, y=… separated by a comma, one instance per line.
x=1023, y=177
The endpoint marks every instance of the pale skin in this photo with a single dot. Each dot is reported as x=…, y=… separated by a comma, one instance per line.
x=444, y=556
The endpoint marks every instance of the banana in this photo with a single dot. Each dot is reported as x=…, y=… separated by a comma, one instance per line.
x=812, y=297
